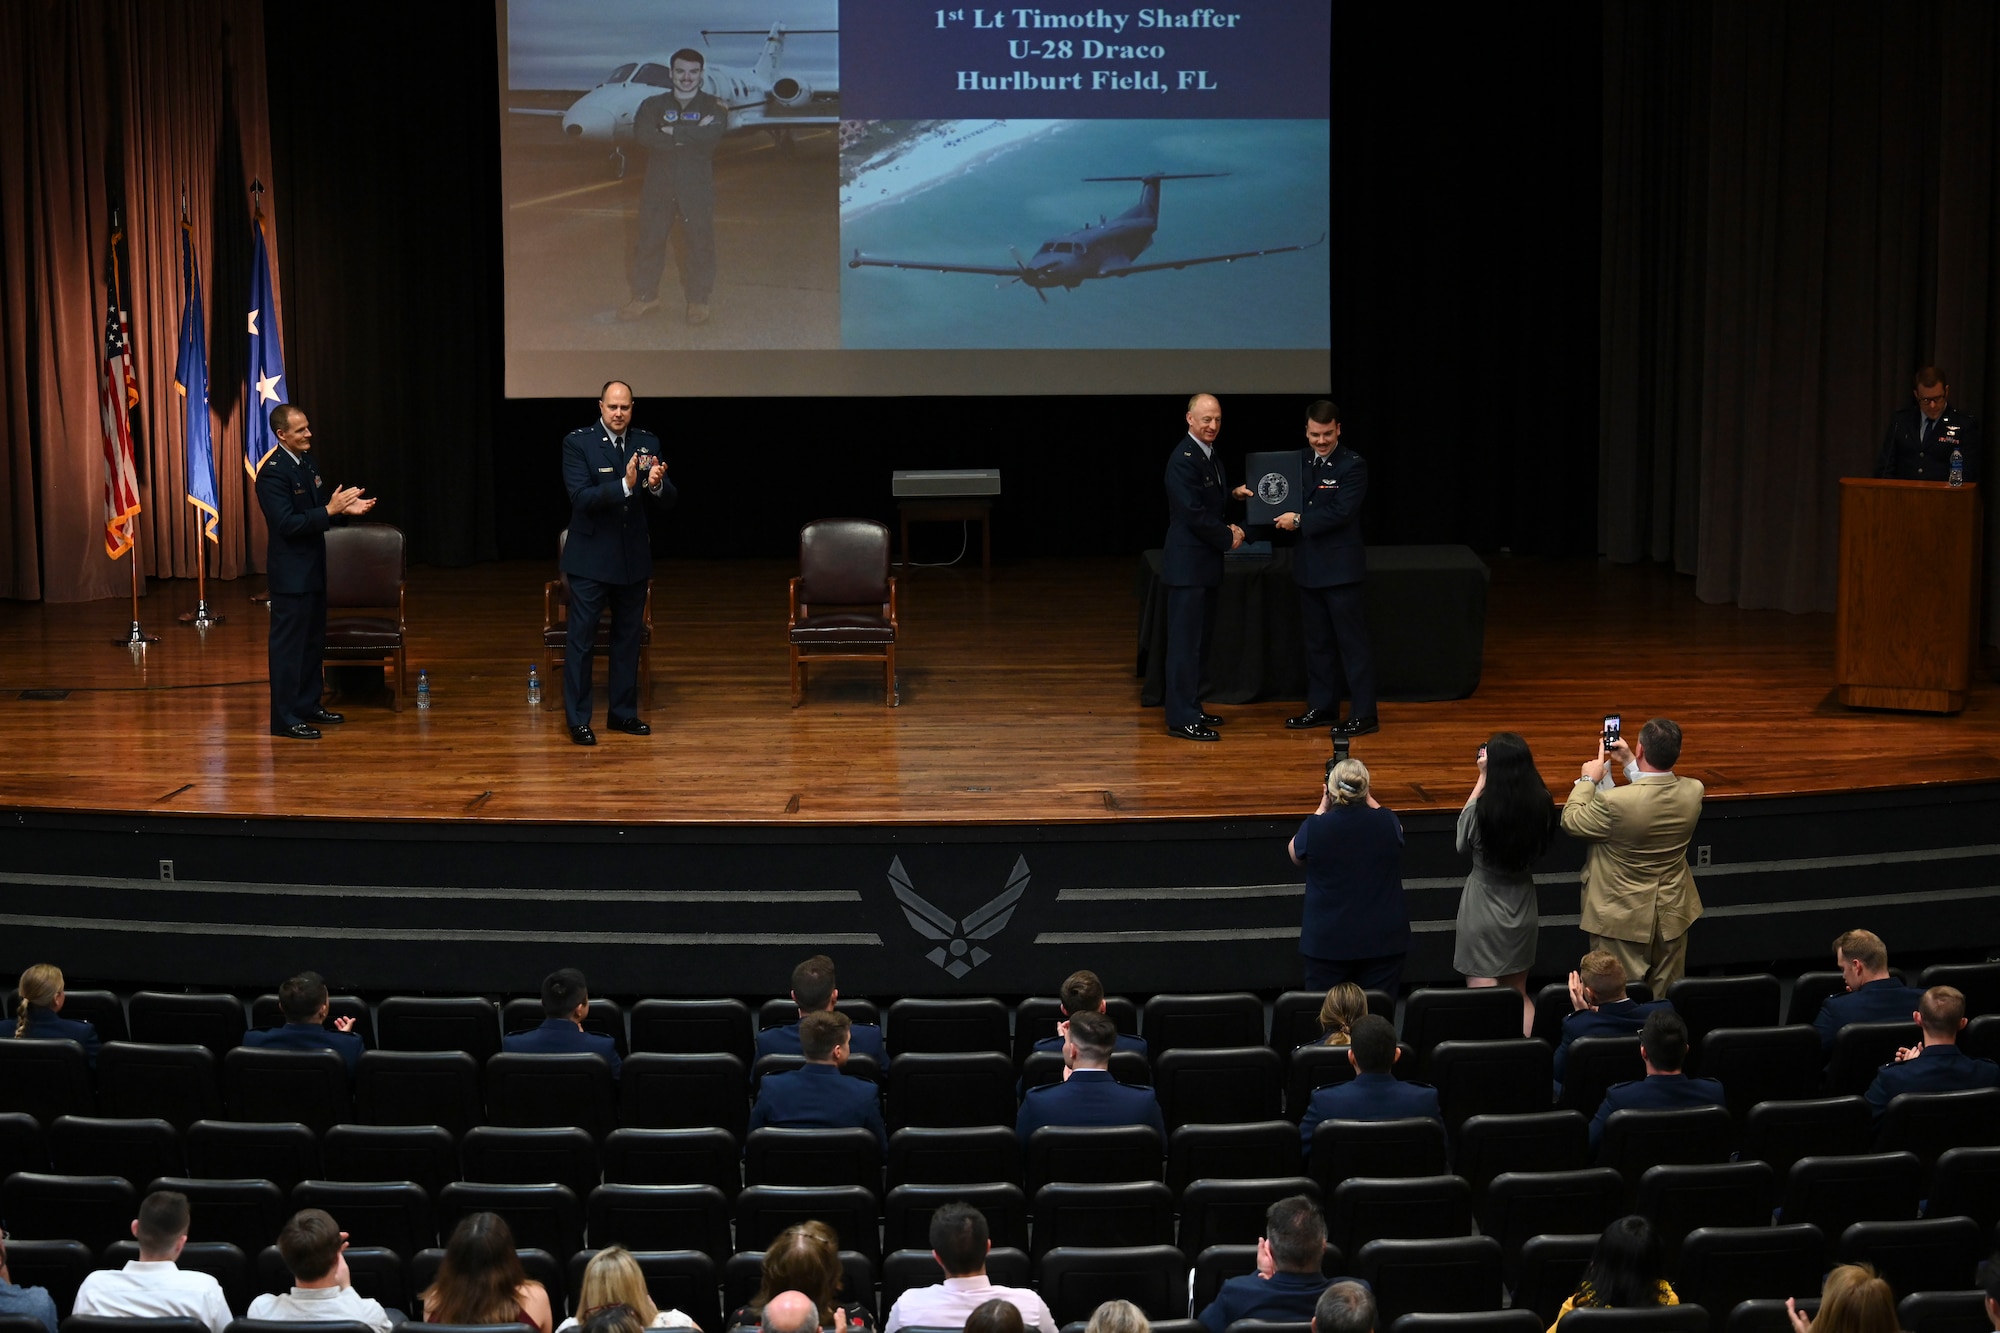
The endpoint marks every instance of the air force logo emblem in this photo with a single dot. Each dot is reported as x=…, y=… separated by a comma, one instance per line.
x=1273, y=489
x=982, y=923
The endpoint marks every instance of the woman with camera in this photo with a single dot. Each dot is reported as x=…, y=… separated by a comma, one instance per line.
x=1505, y=827
x=1357, y=924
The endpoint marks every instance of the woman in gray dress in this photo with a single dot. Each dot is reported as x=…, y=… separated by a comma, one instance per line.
x=1505, y=827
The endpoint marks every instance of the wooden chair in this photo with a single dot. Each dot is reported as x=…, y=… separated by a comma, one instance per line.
x=366, y=569
x=555, y=636
x=843, y=602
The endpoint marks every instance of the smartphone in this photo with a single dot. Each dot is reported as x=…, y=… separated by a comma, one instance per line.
x=1340, y=744
x=1611, y=729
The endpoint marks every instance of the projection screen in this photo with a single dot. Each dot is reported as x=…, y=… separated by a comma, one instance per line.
x=907, y=199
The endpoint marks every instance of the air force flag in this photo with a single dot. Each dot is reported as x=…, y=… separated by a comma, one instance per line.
x=264, y=383
x=191, y=379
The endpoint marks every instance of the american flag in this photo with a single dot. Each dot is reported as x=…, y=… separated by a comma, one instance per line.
x=117, y=395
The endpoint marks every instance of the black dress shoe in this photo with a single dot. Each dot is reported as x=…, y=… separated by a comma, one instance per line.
x=583, y=735
x=633, y=726
x=298, y=731
x=1313, y=717
x=324, y=718
x=1194, y=731
x=1211, y=720
x=1358, y=726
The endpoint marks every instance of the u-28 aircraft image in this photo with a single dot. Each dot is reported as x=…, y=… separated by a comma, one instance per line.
x=1104, y=249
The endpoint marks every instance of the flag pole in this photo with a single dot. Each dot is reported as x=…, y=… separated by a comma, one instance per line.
x=257, y=213
x=137, y=636
x=200, y=617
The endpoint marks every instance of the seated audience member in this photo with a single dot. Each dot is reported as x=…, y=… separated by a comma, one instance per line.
x=1345, y=1005
x=306, y=1004
x=1345, y=1307
x=1287, y=1284
x=959, y=1243
x=817, y=1095
x=1873, y=996
x=1854, y=1300
x=1597, y=994
x=1088, y=1095
x=314, y=1249
x=613, y=1278
x=151, y=1287
x=1118, y=1317
x=1374, y=1093
x=1663, y=1044
x=803, y=1260
x=1081, y=993
x=1937, y=1065
x=481, y=1280
x=39, y=1014
x=789, y=1312
x=24, y=1302
x=995, y=1316
x=1989, y=1278
x=814, y=991
x=617, y=1318
x=1626, y=1271
x=565, y=1004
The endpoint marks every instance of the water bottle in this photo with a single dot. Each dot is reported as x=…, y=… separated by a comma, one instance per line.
x=1956, y=477
x=423, y=689
x=534, y=687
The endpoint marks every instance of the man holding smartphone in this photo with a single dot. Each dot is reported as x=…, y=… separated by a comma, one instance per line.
x=1639, y=895
x=608, y=557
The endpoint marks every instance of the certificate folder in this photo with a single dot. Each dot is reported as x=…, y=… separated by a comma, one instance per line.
x=1274, y=486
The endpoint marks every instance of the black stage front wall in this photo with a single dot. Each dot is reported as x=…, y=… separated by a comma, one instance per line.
x=659, y=911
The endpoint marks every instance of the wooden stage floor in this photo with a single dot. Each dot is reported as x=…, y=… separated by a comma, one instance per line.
x=1019, y=706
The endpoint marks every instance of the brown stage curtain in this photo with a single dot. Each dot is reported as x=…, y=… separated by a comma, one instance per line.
x=120, y=100
x=1798, y=202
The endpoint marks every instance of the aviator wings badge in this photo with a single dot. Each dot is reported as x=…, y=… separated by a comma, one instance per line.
x=983, y=922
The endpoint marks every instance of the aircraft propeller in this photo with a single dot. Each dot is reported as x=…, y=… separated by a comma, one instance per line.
x=1018, y=263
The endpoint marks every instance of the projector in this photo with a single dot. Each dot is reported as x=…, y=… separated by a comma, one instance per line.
x=945, y=485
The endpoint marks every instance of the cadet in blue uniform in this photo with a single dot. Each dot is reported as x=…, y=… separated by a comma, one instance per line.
x=305, y=1004
x=1329, y=565
x=814, y=991
x=1374, y=1093
x=1287, y=1284
x=1191, y=566
x=817, y=1095
x=1873, y=996
x=298, y=510
x=1083, y=993
x=38, y=1015
x=1937, y=1065
x=679, y=131
x=1921, y=437
x=1088, y=1095
x=1663, y=1044
x=565, y=1004
x=609, y=556
x=1603, y=1009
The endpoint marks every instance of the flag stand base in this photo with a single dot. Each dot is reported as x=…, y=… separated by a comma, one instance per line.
x=138, y=638
x=200, y=617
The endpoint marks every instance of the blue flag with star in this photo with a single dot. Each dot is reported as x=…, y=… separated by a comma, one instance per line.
x=264, y=383
x=191, y=378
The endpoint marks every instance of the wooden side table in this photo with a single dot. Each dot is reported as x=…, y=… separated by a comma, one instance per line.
x=965, y=509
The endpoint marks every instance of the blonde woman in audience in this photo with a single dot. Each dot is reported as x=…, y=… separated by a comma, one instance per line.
x=38, y=1015
x=1854, y=1300
x=1119, y=1317
x=1344, y=1004
x=612, y=1278
x=481, y=1280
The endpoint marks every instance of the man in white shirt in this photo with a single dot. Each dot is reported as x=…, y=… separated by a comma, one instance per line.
x=959, y=1242
x=315, y=1250
x=151, y=1287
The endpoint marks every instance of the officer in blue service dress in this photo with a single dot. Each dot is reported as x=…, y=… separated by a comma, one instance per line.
x=679, y=129
x=298, y=510
x=609, y=556
x=1198, y=534
x=1922, y=436
x=1329, y=565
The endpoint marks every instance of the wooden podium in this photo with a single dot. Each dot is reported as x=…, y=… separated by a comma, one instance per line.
x=1907, y=629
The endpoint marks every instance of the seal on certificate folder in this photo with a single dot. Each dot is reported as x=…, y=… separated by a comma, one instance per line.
x=1274, y=488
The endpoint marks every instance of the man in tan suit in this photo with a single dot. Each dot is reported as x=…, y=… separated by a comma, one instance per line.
x=1638, y=894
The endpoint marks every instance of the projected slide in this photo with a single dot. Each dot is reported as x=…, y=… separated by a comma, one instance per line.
x=797, y=197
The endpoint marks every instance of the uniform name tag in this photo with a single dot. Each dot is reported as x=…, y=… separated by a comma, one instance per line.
x=606, y=469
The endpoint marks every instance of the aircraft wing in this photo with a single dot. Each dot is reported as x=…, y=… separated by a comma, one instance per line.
x=1124, y=269
x=927, y=266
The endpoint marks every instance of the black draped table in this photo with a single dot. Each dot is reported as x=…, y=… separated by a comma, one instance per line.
x=1426, y=620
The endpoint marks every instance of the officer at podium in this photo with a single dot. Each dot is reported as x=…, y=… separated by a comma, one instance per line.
x=1922, y=436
